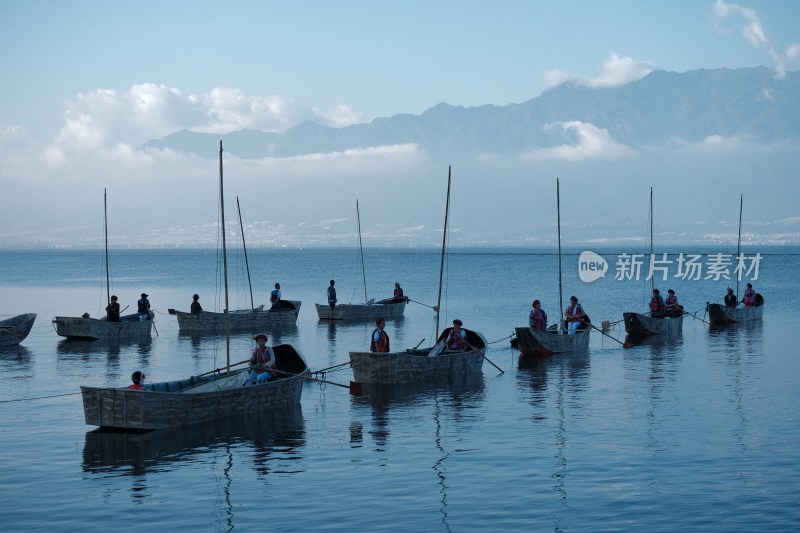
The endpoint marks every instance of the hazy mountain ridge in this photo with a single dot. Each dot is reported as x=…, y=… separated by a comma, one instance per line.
x=659, y=107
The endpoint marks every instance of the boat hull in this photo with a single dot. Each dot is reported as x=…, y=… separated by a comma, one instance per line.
x=531, y=342
x=361, y=312
x=721, y=315
x=14, y=330
x=196, y=400
x=415, y=366
x=639, y=325
x=129, y=327
x=245, y=320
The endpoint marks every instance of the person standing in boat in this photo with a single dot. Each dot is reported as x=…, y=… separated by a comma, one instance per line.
x=749, y=296
x=656, y=304
x=575, y=315
x=537, y=319
x=196, y=308
x=275, y=296
x=398, y=293
x=112, y=310
x=144, y=307
x=730, y=298
x=138, y=381
x=262, y=361
x=380, y=339
x=332, y=295
x=457, y=340
x=671, y=304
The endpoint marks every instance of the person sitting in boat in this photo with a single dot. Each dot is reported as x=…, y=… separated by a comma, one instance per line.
x=332, y=295
x=730, y=298
x=749, y=296
x=138, y=381
x=398, y=294
x=275, y=296
x=196, y=308
x=672, y=308
x=575, y=315
x=537, y=319
x=144, y=308
x=112, y=310
x=457, y=340
x=262, y=362
x=657, y=304
x=380, y=339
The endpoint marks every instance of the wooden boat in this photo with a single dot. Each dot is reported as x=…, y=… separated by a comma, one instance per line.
x=14, y=330
x=370, y=309
x=418, y=364
x=433, y=363
x=531, y=342
x=250, y=320
x=722, y=315
x=644, y=324
x=197, y=399
x=129, y=327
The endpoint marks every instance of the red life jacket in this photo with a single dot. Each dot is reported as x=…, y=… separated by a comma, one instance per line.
x=656, y=304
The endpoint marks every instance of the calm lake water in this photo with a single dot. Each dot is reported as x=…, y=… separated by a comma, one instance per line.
x=695, y=433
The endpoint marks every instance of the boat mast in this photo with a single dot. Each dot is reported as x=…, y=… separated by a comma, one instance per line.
x=224, y=265
x=558, y=218
x=652, y=278
x=739, y=241
x=361, y=252
x=444, y=246
x=244, y=246
x=105, y=229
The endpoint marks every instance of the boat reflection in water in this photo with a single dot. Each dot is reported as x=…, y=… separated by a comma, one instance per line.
x=262, y=436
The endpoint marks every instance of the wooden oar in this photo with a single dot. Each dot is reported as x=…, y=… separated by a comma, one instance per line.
x=626, y=344
x=223, y=368
x=331, y=368
x=355, y=387
x=697, y=317
x=420, y=303
x=482, y=355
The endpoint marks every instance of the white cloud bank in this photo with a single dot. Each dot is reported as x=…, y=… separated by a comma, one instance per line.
x=615, y=71
x=105, y=117
x=588, y=142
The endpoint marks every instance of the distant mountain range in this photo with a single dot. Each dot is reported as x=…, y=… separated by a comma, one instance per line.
x=662, y=106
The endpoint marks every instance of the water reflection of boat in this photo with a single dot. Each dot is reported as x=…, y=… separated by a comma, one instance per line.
x=135, y=453
x=142, y=345
x=671, y=338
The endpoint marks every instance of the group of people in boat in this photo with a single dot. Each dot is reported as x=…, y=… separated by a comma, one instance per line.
x=749, y=300
x=660, y=308
x=456, y=340
x=574, y=316
x=143, y=308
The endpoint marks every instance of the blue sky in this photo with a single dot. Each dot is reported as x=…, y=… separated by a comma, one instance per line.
x=98, y=76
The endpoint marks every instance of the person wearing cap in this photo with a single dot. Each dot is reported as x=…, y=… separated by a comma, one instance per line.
x=275, y=296
x=398, y=293
x=537, y=319
x=196, y=308
x=656, y=304
x=138, y=381
x=112, y=310
x=730, y=298
x=262, y=361
x=671, y=304
x=575, y=315
x=457, y=340
x=332, y=295
x=144, y=307
x=380, y=339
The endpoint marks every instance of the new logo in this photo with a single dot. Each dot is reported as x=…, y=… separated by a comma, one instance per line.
x=591, y=267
